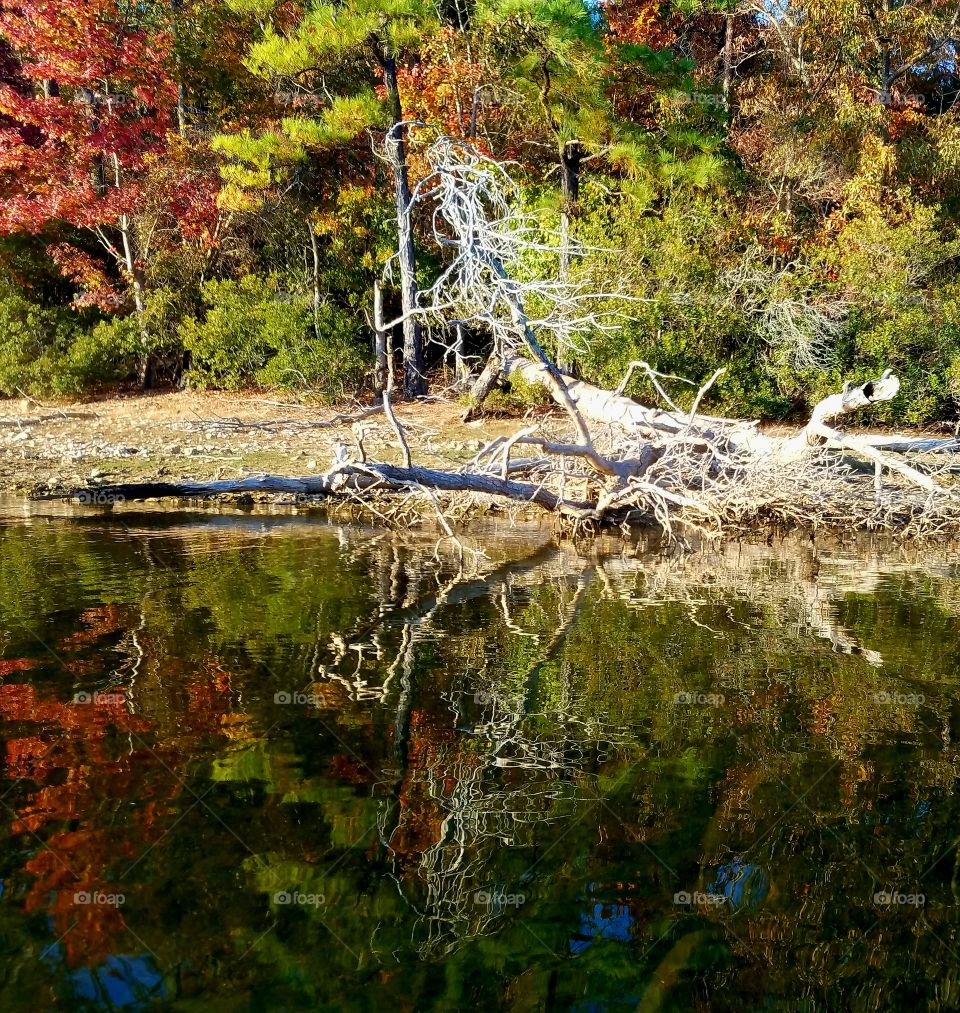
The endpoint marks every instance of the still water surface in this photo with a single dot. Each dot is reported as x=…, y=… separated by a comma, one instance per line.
x=275, y=764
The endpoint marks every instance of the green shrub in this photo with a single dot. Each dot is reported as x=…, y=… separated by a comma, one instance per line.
x=33, y=342
x=254, y=332
x=107, y=353
x=517, y=397
x=55, y=350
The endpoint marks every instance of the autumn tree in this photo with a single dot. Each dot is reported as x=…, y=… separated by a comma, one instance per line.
x=94, y=109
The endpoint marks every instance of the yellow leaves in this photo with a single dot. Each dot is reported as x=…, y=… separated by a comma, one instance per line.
x=947, y=141
x=325, y=224
x=877, y=164
x=353, y=199
x=235, y=198
x=346, y=219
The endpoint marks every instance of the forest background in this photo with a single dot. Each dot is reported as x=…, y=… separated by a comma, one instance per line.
x=203, y=193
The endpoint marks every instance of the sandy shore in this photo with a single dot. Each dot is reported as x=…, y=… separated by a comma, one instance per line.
x=169, y=436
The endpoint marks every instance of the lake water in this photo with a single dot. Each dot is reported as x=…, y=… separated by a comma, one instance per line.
x=270, y=763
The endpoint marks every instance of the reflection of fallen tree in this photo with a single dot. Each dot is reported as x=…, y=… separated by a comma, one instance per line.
x=504, y=766
x=802, y=601
x=513, y=757
x=611, y=459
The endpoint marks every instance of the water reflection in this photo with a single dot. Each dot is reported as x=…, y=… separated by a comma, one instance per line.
x=292, y=765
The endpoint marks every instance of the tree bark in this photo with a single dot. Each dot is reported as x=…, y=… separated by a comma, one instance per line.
x=485, y=383
x=175, y=8
x=315, y=252
x=138, y=286
x=344, y=478
x=414, y=381
x=599, y=404
x=379, y=340
x=570, y=160
x=461, y=368
x=99, y=168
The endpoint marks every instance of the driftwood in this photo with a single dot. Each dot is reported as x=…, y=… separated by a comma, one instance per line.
x=344, y=478
x=647, y=464
x=610, y=459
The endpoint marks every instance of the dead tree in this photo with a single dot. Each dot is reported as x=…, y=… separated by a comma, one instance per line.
x=610, y=459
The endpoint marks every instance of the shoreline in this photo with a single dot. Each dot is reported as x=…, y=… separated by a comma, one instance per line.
x=174, y=436
x=50, y=451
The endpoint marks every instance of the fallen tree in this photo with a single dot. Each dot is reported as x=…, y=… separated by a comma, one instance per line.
x=607, y=459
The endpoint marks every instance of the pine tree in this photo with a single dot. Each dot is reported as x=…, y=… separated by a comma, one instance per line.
x=337, y=53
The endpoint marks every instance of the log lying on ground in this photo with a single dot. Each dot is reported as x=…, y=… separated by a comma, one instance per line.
x=612, y=408
x=345, y=478
x=642, y=463
x=601, y=405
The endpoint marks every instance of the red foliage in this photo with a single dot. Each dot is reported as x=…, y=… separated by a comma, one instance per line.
x=440, y=87
x=81, y=851
x=85, y=100
x=15, y=665
x=108, y=109
x=88, y=274
x=647, y=23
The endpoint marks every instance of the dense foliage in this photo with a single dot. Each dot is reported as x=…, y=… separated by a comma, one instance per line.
x=198, y=191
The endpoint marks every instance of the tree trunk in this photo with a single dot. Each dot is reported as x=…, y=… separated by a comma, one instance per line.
x=342, y=478
x=98, y=170
x=460, y=365
x=315, y=252
x=598, y=404
x=570, y=160
x=485, y=383
x=137, y=282
x=175, y=8
x=886, y=64
x=414, y=381
x=379, y=340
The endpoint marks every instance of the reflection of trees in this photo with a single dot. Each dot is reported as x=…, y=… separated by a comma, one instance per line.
x=503, y=725
x=518, y=746
x=79, y=762
x=527, y=734
x=457, y=797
